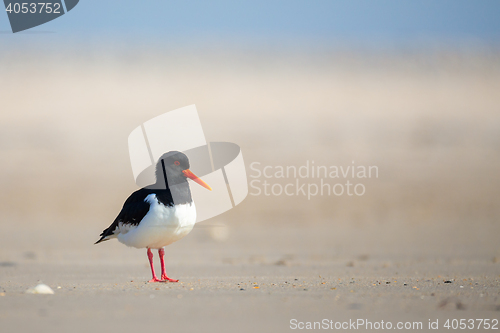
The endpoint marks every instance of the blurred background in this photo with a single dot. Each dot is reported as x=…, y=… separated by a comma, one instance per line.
x=409, y=86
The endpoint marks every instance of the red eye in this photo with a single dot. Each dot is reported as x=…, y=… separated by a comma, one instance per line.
x=177, y=163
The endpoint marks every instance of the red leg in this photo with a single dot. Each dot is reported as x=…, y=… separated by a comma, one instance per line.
x=164, y=277
x=150, y=257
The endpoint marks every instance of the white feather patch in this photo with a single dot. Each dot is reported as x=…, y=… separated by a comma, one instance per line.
x=160, y=227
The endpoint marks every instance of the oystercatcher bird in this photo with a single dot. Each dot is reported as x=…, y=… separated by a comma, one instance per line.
x=159, y=214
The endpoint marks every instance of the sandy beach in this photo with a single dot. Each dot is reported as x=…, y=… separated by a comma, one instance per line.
x=420, y=244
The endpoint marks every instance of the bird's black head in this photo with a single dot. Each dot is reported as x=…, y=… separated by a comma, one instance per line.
x=174, y=165
x=171, y=165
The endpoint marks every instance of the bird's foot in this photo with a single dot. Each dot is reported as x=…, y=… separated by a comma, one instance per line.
x=166, y=278
x=155, y=279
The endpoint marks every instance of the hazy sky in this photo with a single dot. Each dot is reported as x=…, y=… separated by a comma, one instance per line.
x=364, y=21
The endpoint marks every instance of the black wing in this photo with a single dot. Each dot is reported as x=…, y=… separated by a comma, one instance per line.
x=133, y=211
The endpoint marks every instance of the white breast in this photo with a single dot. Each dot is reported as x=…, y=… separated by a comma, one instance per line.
x=160, y=227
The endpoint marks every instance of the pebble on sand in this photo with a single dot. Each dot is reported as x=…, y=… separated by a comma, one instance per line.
x=41, y=289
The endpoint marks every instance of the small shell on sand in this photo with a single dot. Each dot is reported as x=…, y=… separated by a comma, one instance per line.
x=40, y=289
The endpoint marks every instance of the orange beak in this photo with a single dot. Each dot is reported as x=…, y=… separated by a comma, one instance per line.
x=192, y=176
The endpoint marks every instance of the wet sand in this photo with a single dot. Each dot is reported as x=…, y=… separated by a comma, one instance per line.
x=257, y=280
